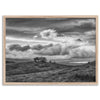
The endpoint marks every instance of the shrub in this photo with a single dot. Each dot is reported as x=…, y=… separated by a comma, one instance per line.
x=40, y=59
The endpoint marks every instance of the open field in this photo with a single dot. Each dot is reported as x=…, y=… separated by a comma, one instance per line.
x=24, y=70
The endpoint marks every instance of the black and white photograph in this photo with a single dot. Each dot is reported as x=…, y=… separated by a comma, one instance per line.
x=50, y=49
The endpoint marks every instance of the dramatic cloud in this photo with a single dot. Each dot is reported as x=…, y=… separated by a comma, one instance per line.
x=90, y=33
x=48, y=34
x=54, y=38
x=72, y=51
x=53, y=50
x=27, y=28
x=19, y=54
x=39, y=46
x=87, y=22
x=17, y=47
x=83, y=52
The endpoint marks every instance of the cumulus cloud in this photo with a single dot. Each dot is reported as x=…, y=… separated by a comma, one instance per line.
x=39, y=46
x=90, y=33
x=83, y=52
x=18, y=47
x=53, y=50
x=48, y=34
x=67, y=46
x=20, y=54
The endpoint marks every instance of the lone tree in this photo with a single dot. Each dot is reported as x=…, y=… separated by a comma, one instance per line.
x=36, y=59
x=40, y=59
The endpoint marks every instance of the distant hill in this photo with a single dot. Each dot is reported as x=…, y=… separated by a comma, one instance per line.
x=92, y=63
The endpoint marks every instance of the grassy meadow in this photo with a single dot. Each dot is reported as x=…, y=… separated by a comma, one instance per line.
x=26, y=70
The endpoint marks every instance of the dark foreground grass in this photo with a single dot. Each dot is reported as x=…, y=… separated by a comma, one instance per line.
x=83, y=78
x=29, y=71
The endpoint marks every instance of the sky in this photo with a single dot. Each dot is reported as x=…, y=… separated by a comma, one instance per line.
x=59, y=39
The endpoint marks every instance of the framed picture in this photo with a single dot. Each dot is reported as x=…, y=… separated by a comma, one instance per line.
x=50, y=50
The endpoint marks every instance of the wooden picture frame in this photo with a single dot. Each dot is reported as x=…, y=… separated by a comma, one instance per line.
x=49, y=83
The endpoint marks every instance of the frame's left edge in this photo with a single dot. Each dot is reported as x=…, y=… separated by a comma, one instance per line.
x=4, y=45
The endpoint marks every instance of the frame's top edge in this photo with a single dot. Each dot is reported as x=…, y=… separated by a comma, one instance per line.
x=50, y=16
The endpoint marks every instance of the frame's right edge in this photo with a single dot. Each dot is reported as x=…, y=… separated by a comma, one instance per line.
x=96, y=49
